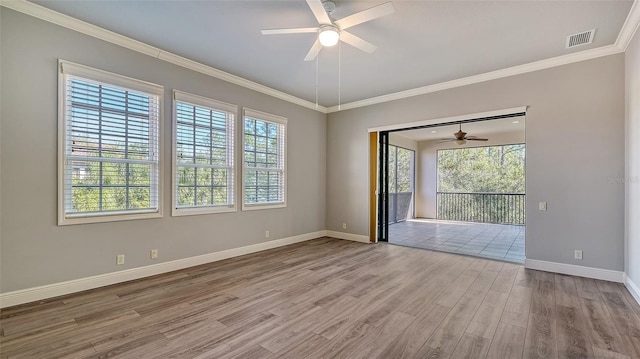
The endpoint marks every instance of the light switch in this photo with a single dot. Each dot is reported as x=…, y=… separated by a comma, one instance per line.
x=542, y=206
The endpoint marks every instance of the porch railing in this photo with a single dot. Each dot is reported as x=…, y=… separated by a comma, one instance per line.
x=503, y=208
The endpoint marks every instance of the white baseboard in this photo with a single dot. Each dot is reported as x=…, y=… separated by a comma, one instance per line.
x=580, y=271
x=77, y=285
x=348, y=236
x=633, y=288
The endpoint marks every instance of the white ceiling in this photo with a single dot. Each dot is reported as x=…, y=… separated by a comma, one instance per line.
x=422, y=43
x=484, y=129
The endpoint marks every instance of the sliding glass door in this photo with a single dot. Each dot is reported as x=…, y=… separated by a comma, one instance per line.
x=401, y=174
x=395, y=185
x=383, y=186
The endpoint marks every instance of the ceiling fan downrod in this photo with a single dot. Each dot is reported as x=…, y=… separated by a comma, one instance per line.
x=329, y=6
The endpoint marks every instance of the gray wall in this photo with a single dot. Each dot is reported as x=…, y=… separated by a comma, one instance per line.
x=427, y=174
x=632, y=178
x=35, y=251
x=575, y=158
x=401, y=141
x=575, y=146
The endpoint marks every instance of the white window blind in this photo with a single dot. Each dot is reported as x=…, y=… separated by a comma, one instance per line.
x=110, y=145
x=204, y=155
x=264, y=159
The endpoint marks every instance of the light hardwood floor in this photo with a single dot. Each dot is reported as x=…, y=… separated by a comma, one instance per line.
x=329, y=298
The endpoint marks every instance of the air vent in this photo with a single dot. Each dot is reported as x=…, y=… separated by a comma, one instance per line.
x=583, y=38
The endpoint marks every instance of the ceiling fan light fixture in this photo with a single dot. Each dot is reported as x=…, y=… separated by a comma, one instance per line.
x=328, y=35
x=461, y=142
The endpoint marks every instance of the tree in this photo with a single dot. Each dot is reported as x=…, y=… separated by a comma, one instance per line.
x=482, y=184
x=400, y=178
x=111, y=186
x=490, y=169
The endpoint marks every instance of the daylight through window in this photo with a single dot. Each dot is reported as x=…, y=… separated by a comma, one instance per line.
x=204, y=159
x=110, y=145
x=264, y=160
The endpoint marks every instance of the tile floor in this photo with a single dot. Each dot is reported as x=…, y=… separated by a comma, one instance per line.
x=493, y=241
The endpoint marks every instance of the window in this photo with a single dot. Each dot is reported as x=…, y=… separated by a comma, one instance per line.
x=265, y=160
x=109, y=131
x=203, y=155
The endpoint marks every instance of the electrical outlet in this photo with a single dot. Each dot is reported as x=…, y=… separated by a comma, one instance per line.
x=120, y=259
x=578, y=254
x=542, y=206
x=266, y=234
x=344, y=226
x=154, y=253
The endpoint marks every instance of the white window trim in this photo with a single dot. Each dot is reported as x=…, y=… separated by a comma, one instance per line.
x=69, y=68
x=209, y=103
x=247, y=112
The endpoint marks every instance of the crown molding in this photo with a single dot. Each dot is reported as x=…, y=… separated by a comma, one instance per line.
x=630, y=26
x=86, y=28
x=625, y=35
x=487, y=76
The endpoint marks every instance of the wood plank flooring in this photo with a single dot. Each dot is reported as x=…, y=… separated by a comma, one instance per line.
x=330, y=298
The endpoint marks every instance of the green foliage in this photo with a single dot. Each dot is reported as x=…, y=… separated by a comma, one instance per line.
x=478, y=180
x=405, y=163
x=89, y=196
x=491, y=169
x=400, y=161
x=201, y=186
x=400, y=178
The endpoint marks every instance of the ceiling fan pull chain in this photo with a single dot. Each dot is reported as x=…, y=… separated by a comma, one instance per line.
x=339, y=74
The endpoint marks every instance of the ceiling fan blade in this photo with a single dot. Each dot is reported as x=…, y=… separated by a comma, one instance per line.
x=476, y=139
x=357, y=42
x=319, y=12
x=298, y=30
x=364, y=16
x=313, y=53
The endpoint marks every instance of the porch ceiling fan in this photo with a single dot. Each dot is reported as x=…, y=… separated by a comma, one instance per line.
x=461, y=137
x=330, y=32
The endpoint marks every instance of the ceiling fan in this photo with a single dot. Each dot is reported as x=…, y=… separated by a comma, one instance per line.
x=461, y=137
x=330, y=31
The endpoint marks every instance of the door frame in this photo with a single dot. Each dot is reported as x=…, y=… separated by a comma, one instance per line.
x=379, y=152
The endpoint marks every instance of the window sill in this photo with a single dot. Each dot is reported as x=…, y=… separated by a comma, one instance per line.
x=195, y=211
x=101, y=218
x=255, y=207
